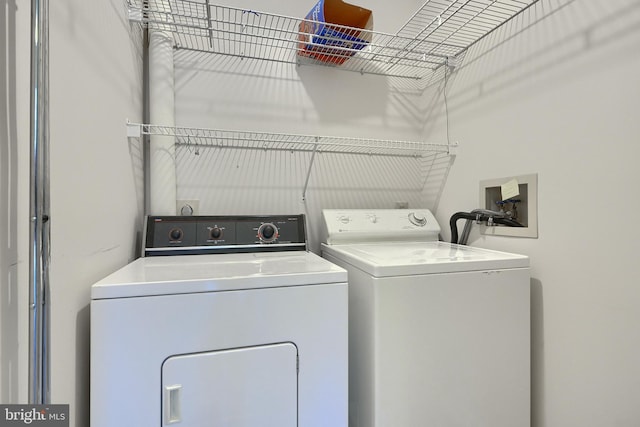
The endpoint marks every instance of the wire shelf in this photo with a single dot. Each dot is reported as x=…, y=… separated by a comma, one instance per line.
x=439, y=32
x=248, y=140
x=265, y=141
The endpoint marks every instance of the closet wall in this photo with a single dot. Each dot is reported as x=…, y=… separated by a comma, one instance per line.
x=96, y=181
x=556, y=92
x=96, y=175
x=14, y=198
x=243, y=94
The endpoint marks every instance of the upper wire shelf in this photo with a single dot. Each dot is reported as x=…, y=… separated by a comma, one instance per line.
x=438, y=34
x=216, y=138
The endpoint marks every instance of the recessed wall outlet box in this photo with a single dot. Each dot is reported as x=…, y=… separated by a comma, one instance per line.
x=517, y=196
x=402, y=205
x=187, y=207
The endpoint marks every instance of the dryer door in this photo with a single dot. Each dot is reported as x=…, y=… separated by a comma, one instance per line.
x=245, y=387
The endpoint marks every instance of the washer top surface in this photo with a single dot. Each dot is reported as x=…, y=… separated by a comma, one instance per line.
x=387, y=259
x=218, y=272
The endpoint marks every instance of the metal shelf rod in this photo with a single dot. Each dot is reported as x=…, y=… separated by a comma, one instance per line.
x=306, y=181
x=307, y=150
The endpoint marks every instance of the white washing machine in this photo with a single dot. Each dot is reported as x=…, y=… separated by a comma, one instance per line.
x=249, y=329
x=439, y=334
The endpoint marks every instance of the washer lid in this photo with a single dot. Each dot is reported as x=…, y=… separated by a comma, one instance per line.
x=221, y=272
x=411, y=258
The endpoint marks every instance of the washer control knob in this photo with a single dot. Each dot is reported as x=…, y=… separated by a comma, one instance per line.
x=267, y=232
x=418, y=220
x=344, y=219
x=215, y=233
x=175, y=234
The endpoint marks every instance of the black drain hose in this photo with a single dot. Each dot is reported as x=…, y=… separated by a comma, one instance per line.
x=477, y=217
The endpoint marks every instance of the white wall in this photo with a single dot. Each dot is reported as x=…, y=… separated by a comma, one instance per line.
x=558, y=94
x=14, y=199
x=242, y=94
x=96, y=177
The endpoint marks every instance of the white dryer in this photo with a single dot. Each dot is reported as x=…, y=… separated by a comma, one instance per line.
x=251, y=333
x=439, y=334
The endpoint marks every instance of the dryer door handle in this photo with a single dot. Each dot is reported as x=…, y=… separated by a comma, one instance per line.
x=172, y=404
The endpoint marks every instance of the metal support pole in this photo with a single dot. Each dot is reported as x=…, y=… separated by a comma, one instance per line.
x=39, y=206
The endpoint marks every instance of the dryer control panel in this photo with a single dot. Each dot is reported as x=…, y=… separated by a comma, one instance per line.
x=186, y=235
x=379, y=225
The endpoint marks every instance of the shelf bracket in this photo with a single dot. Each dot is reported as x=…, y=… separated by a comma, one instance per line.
x=135, y=14
x=452, y=62
x=306, y=181
x=134, y=130
x=453, y=149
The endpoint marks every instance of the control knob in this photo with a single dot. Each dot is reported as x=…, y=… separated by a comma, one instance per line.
x=418, y=220
x=215, y=233
x=267, y=232
x=344, y=219
x=175, y=234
